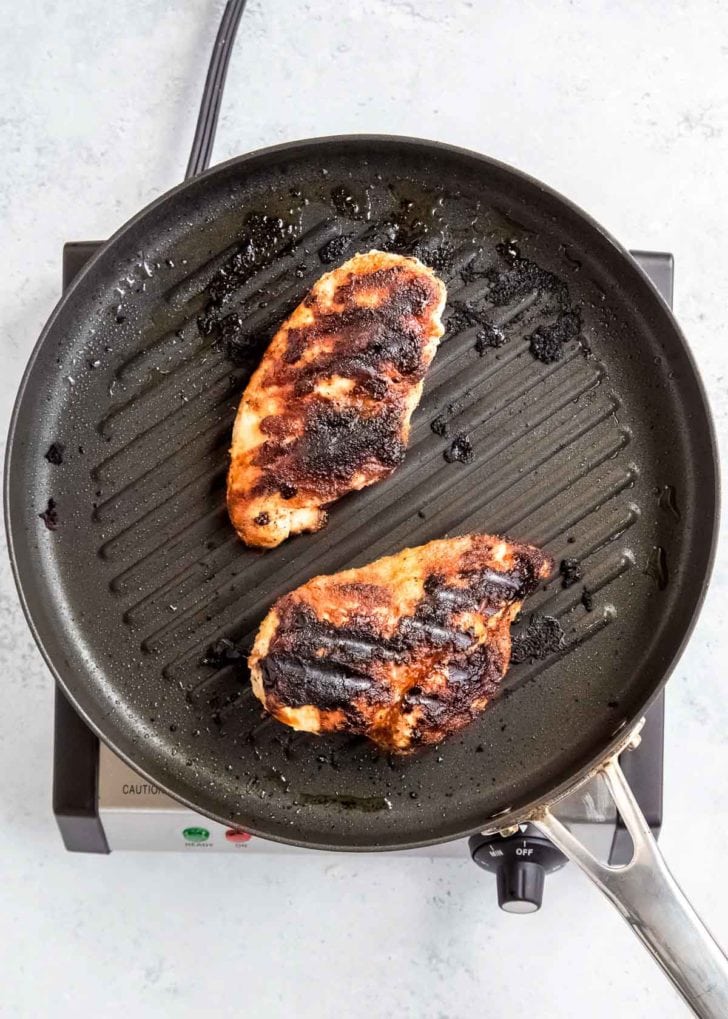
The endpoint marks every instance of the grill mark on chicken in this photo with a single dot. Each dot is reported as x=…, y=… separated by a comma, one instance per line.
x=328, y=409
x=405, y=650
x=335, y=445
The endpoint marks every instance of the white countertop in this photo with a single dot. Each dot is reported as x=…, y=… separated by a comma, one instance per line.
x=621, y=106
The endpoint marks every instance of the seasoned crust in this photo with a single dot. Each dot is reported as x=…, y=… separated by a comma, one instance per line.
x=328, y=410
x=405, y=650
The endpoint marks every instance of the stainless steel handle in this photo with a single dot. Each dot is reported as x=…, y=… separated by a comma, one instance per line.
x=648, y=897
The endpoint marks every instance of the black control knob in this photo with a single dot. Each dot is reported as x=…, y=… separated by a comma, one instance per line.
x=520, y=863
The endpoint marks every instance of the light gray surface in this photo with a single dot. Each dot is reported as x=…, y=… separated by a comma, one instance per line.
x=621, y=106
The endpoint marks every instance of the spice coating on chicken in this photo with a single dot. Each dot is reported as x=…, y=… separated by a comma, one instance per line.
x=405, y=650
x=328, y=409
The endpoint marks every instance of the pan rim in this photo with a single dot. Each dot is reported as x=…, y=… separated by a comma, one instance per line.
x=64, y=678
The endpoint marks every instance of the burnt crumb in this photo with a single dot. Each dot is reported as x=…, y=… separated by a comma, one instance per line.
x=54, y=454
x=587, y=600
x=570, y=570
x=262, y=519
x=480, y=749
x=510, y=251
x=612, y=704
x=286, y=490
x=547, y=342
x=489, y=338
x=543, y=637
x=206, y=324
x=223, y=652
x=231, y=328
x=439, y=425
x=421, y=514
x=334, y=248
x=49, y=516
x=461, y=450
x=570, y=540
x=545, y=347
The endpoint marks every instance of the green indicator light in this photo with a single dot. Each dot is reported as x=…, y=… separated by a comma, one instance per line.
x=195, y=834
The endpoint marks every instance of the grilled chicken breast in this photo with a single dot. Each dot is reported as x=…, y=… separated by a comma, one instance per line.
x=328, y=409
x=405, y=650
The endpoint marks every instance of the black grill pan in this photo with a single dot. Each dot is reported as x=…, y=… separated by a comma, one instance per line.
x=606, y=456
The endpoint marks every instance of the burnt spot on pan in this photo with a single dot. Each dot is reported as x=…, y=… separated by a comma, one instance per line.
x=464, y=314
x=543, y=636
x=335, y=248
x=460, y=450
x=439, y=257
x=416, y=227
x=547, y=342
x=570, y=570
x=54, y=453
x=489, y=337
x=223, y=652
x=440, y=424
x=522, y=277
x=264, y=239
x=49, y=516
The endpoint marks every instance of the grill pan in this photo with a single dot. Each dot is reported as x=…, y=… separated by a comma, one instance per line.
x=130, y=574
x=143, y=572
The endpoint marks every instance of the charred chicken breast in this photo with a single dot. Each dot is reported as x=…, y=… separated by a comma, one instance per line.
x=405, y=650
x=328, y=409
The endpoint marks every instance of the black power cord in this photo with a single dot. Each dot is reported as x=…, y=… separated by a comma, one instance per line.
x=212, y=94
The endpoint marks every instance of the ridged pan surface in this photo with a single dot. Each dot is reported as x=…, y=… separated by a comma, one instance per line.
x=604, y=456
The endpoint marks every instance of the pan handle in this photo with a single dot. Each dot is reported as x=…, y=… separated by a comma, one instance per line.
x=648, y=897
